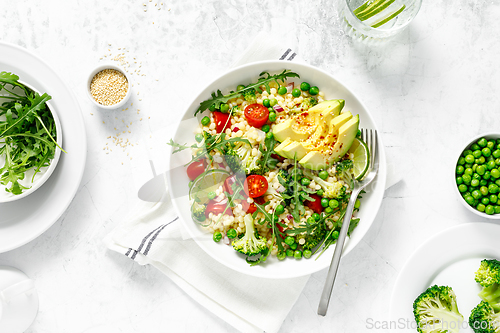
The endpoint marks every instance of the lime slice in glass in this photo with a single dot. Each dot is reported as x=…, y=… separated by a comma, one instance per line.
x=207, y=182
x=361, y=159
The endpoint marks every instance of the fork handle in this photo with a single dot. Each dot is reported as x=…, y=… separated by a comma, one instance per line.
x=332, y=272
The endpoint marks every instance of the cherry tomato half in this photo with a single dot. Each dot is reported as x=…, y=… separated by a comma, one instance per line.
x=195, y=169
x=222, y=121
x=315, y=205
x=256, y=114
x=256, y=185
x=217, y=206
x=251, y=208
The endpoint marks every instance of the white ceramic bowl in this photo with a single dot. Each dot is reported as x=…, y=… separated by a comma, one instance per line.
x=487, y=136
x=97, y=70
x=178, y=180
x=44, y=174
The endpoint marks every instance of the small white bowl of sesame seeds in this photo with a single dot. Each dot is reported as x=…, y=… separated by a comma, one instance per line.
x=108, y=86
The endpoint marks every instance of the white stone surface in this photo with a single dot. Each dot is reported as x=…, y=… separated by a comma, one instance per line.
x=430, y=90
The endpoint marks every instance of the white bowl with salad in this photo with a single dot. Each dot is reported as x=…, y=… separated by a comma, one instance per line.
x=30, y=138
x=262, y=165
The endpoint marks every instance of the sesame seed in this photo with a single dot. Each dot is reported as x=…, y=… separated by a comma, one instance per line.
x=108, y=87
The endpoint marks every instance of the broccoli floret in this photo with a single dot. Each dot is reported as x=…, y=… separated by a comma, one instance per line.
x=436, y=310
x=343, y=170
x=488, y=276
x=248, y=161
x=313, y=239
x=331, y=190
x=233, y=160
x=306, y=104
x=249, y=95
x=484, y=319
x=250, y=244
x=198, y=212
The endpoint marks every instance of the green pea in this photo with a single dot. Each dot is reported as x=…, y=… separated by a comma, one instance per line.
x=485, y=201
x=460, y=169
x=205, y=121
x=269, y=135
x=270, y=109
x=266, y=102
x=468, y=166
x=474, y=167
x=240, y=87
x=314, y=90
x=491, y=144
x=484, y=190
x=357, y=204
x=297, y=254
x=323, y=174
x=198, y=137
x=476, y=194
x=486, y=151
x=469, y=199
x=289, y=240
x=304, y=86
x=497, y=182
x=487, y=175
x=273, y=101
x=272, y=116
x=475, y=146
x=281, y=255
x=307, y=254
x=477, y=153
x=480, y=207
x=480, y=160
x=467, y=152
x=467, y=179
x=324, y=202
x=490, y=210
x=224, y=108
x=482, y=142
x=320, y=192
x=497, y=161
x=265, y=128
x=333, y=203
x=328, y=210
x=497, y=209
x=459, y=180
x=483, y=182
x=490, y=165
x=481, y=169
x=474, y=182
x=493, y=198
x=495, y=173
x=217, y=236
x=282, y=90
x=468, y=171
x=493, y=188
x=289, y=253
x=279, y=209
x=461, y=161
x=231, y=233
x=305, y=181
x=316, y=217
x=293, y=246
x=496, y=153
x=462, y=188
x=335, y=234
x=311, y=220
x=211, y=195
x=296, y=92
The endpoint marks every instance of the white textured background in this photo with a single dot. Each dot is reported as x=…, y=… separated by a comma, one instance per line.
x=430, y=90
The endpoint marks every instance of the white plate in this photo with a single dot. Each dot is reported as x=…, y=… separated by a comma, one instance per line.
x=178, y=180
x=449, y=258
x=23, y=220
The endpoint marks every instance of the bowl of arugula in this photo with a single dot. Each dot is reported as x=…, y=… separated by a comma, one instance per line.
x=30, y=138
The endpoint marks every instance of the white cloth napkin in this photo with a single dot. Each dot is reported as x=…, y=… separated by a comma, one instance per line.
x=154, y=236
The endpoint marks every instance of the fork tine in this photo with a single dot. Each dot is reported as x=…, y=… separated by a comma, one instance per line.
x=374, y=162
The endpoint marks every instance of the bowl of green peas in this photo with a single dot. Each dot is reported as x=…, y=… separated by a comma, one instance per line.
x=477, y=175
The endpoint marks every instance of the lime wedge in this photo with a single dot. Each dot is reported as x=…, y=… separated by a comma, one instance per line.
x=388, y=18
x=207, y=182
x=361, y=159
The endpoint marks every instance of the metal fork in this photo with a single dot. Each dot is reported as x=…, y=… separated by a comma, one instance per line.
x=370, y=137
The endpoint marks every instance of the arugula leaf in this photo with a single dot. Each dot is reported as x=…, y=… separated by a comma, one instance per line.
x=267, y=149
x=28, y=133
x=265, y=78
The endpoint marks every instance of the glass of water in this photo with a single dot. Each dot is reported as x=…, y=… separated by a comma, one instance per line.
x=377, y=21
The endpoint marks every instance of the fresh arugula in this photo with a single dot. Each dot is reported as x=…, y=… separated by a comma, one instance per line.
x=267, y=162
x=28, y=133
x=265, y=78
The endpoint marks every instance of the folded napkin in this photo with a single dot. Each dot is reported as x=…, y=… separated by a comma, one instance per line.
x=155, y=236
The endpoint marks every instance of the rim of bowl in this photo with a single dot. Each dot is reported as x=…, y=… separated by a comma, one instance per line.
x=96, y=70
x=496, y=135
x=37, y=184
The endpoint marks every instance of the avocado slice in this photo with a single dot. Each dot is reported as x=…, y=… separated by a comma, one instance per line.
x=296, y=149
x=317, y=160
x=279, y=149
